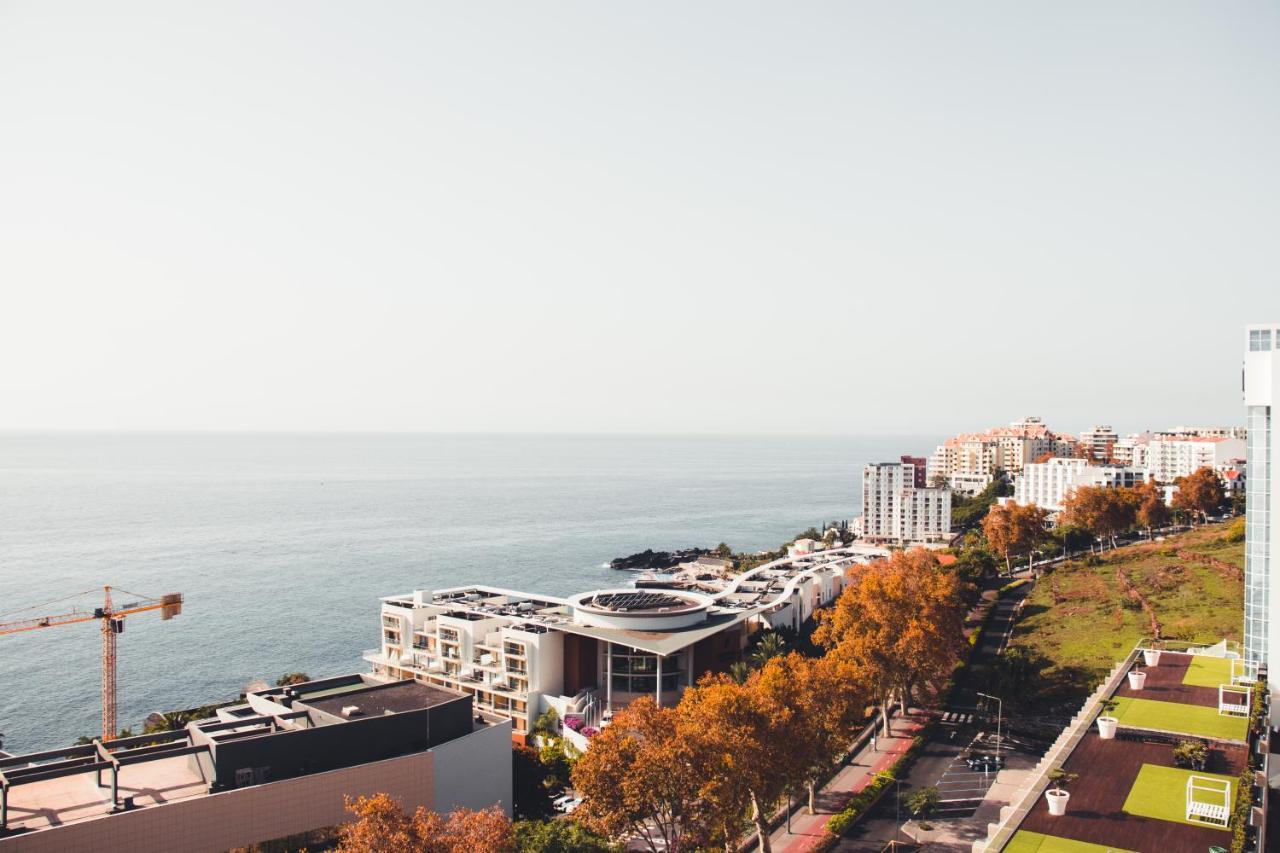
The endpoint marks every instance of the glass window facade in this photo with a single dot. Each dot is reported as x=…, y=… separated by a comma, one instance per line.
x=1259, y=340
x=1257, y=558
x=637, y=672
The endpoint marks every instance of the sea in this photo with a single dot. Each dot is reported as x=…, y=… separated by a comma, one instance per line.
x=282, y=544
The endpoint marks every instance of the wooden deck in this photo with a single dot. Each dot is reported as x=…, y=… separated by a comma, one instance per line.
x=1164, y=684
x=1107, y=770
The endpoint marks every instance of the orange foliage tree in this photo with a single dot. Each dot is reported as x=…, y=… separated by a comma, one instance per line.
x=1013, y=529
x=1199, y=492
x=639, y=779
x=1103, y=511
x=899, y=624
x=382, y=826
x=1152, y=511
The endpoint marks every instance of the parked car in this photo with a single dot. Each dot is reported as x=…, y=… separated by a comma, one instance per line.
x=561, y=803
x=985, y=762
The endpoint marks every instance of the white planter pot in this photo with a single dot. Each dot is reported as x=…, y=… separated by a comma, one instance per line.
x=1107, y=727
x=1137, y=679
x=1151, y=657
x=1057, y=801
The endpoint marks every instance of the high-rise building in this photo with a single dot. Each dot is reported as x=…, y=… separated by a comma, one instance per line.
x=1262, y=536
x=895, y=509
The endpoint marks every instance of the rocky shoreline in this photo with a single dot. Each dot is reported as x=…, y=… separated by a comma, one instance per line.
x=649, y=560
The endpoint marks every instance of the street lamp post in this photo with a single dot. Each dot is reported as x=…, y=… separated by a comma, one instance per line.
x=897, y=805
x=999, y=720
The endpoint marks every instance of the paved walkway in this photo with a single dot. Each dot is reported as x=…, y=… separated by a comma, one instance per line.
x=807, y=829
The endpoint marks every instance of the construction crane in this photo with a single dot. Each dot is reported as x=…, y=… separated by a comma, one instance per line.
x=112, y=617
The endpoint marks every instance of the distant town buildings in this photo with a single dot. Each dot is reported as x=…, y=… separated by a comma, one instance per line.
x=968, y=462
x=1262, y=535
x=1097, y=442
x=1169, y=457
x=897, y=508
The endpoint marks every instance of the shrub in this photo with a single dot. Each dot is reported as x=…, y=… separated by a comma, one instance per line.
x=1234, y=531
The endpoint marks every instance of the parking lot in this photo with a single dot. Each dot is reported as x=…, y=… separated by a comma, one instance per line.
x=962, y=789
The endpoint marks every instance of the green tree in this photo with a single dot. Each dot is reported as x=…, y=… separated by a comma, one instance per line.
x=769, y=645
x=529, y=782
x=556, y=764
x=559, y=836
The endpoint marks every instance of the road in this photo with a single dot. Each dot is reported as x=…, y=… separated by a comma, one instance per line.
x=941, y=762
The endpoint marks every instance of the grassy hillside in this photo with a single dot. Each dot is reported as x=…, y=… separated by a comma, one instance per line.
x=1083, y=618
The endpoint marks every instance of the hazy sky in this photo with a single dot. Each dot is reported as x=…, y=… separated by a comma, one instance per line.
x=687, y=216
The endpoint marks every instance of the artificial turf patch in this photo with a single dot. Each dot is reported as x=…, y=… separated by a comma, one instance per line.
x=1161, y=793
x=1178, y=718
x=1205, y=671
x=1034, y=842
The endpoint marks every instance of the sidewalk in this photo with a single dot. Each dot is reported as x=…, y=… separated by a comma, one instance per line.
x=807, y=829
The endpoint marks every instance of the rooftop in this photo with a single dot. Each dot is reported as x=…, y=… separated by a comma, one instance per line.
x=1130, y=793
x=48, y=789
x=375, y=700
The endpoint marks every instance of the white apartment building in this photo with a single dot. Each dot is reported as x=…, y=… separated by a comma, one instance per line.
x=1047, y=484
x=895, y=510
x=1131, y=450
x=1262, y=535
x=519, y=655
x=1098, y=441
x=1169, y=458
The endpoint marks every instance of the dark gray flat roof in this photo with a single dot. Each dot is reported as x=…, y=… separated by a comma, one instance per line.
x=375, y=700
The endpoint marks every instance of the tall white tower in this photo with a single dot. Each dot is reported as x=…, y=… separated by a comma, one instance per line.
x=1262, y=533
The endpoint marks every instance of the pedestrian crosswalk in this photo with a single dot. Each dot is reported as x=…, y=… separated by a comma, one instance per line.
x=956, y=718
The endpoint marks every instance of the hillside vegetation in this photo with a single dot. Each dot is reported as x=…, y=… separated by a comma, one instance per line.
x=1089, y=613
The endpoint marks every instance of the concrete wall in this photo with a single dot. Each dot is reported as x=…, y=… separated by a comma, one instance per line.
x=476, y=771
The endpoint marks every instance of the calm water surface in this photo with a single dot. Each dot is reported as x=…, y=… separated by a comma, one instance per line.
x=282, y=544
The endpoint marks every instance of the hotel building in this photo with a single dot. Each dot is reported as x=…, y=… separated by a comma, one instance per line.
x=1262, y=535
x=519, y=655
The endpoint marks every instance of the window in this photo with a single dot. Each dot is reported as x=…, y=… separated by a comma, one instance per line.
x=1259, y=340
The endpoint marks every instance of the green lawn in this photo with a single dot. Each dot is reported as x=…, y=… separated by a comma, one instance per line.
x=1161, y=793
x=1178, y=718
x=1079, y=619
x=1033, y=842
x=1208, y=672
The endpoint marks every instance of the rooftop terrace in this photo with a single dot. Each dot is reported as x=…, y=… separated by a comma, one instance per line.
x=1131, y=792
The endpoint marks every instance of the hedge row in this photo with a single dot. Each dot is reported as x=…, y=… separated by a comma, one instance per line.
x=861, y=802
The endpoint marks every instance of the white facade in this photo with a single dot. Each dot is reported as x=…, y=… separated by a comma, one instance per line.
x=1172, y=457
x=894, y=510
x=1262, y=535
x=518, y=654
x=1047, y=484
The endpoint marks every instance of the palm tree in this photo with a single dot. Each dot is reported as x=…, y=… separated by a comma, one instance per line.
x=770, y=645
x=740, y=671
